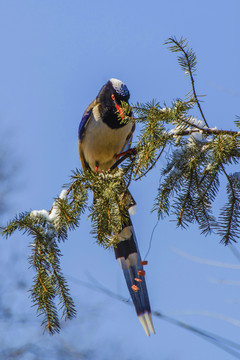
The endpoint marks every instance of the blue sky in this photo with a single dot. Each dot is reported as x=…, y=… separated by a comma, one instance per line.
x=55, y=56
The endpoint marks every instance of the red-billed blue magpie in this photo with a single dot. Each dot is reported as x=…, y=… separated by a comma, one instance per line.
x=102, y=137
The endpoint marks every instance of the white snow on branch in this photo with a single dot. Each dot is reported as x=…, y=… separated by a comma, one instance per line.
x=53, y=216
x=40, y=213
x=194, y=125
x=64, y=194
x=194, y=121
x=165, y=109
x=55, y=208
x=209, y=167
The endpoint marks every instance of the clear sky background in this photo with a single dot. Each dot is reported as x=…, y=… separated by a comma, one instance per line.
x=55, y=56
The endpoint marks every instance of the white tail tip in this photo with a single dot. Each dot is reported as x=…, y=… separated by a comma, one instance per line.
x=148, y=317
x=146, y=321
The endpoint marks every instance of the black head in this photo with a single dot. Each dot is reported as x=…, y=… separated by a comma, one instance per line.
x=120, y=90
x=113, y=87
x=110, y=97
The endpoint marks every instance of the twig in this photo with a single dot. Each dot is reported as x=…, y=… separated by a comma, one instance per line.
x=224, y=282
x=192, y=80
x=208, y=131
x=154, y=163
x=206, y=261
x=151, y=238
x=217, y=340
x=225, y=344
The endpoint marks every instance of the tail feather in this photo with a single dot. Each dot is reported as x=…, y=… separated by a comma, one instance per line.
x=127, y=253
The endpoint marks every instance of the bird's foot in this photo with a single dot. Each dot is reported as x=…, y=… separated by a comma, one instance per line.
x=131, y=151
x=96, y=166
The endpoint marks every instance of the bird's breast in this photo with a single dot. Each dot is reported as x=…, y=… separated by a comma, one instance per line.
x=101, y=143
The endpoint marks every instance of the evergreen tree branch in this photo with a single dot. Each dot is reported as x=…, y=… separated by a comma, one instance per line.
x=198, y=157
x=188, y=62
x=207, y=131
x=153, y=164
x=47, y=228
x=229, y=228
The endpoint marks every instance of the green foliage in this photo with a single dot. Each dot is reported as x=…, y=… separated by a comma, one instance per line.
x=152, y=136
x=187, y=59
x=46, y=232
x=110, y=205
x=228, y=225
x=198, y=160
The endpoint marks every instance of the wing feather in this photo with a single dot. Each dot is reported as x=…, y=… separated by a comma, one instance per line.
x=81, y=130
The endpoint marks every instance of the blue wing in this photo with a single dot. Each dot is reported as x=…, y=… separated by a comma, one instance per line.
x=83, y=123
x=81, y=131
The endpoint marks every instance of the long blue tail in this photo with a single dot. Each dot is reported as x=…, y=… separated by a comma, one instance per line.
x=127, y=253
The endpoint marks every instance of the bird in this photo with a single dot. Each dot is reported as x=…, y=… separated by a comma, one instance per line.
x=103, y=138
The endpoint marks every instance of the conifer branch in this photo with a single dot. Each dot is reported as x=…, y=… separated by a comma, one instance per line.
x=207, y=131
x=229, y=228
x=198, y=157
x=188, y=63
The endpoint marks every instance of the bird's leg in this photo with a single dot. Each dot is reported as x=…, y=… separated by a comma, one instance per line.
x=131, y=151
x=96, y=166
x=122, y=157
